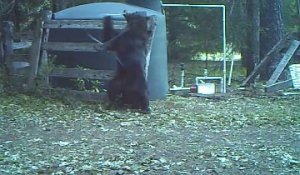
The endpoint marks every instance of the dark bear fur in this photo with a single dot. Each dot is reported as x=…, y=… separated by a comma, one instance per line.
x=128, y=86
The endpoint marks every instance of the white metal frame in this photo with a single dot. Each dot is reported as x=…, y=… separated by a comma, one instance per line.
x=223, y=33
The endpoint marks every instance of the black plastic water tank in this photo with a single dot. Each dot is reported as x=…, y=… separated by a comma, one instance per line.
x=150, y=4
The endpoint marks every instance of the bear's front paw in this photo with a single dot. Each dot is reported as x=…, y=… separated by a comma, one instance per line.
x=100, y=47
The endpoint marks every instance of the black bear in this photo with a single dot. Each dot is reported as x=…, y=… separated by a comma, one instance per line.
x=129, y=85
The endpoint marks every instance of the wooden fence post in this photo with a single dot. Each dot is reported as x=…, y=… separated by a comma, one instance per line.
x=36, y=48
x=35, y=54
x=46, y=15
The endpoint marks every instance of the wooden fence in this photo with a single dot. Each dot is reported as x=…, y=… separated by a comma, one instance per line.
x=42, y=46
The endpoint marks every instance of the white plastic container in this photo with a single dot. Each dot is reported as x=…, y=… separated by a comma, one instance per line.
x=206, y=88
x=295, y=74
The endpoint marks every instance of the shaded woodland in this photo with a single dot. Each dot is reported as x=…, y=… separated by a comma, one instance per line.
x=253, y=27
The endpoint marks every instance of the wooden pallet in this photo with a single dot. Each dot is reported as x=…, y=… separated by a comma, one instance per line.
x=272, y=84
x=274, y=51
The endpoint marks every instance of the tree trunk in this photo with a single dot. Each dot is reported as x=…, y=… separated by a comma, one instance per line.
x=17, y=15
x=250, y=53
x=58, y=5
x=256, y=30
x=6, y=41
x=298, y=4
x=271, y=32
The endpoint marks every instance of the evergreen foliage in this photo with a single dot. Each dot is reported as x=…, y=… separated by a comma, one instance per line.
x=190, y=30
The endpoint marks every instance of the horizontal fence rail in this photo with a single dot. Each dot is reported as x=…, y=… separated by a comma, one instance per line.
x=81, y=24
x=82, y=73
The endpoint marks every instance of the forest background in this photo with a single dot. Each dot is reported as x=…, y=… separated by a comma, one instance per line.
x=253, y=26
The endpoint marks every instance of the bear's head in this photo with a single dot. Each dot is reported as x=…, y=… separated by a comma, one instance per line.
x=137, y=22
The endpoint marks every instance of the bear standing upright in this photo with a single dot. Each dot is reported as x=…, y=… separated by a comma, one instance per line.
x=129, y=85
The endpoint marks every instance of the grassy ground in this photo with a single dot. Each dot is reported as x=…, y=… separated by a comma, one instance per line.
x=244, y=132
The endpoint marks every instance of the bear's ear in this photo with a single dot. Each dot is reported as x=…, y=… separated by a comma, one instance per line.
x=125, y=14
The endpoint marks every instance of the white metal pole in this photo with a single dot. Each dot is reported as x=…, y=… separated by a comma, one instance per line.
x=230, y=72
x=193, y=5
x=223, y=32
x=224, y=48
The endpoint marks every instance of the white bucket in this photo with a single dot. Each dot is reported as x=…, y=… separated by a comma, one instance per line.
x=206, y=88
x=295, y=74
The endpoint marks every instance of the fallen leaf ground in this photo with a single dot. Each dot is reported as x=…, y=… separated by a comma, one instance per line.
x=235, y=134
x=244, y=132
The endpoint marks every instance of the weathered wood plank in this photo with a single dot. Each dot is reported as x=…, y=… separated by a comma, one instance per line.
x=81, y=24
x=22, y=45
x=284, y=61
x=24, y=36
x=279, y=86
x=81, y=95
x=82, y=73
x=69, y=46
x=297, y=52
x=152, y=28
x=277, y=47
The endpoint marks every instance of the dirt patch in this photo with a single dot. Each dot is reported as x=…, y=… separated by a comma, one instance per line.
x=237, y=134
